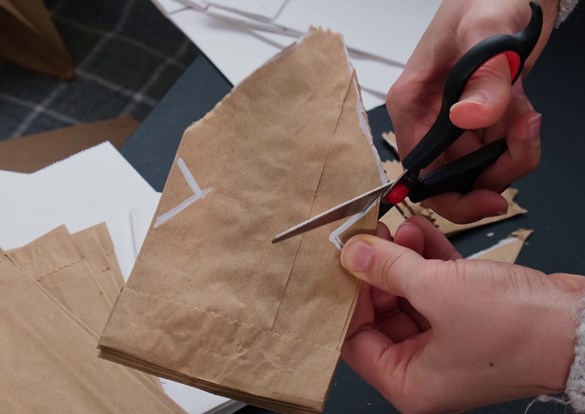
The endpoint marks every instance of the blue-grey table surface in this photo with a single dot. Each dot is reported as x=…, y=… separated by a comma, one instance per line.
x=554, y=194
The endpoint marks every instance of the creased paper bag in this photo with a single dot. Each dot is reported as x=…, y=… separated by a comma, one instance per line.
x=211, y=302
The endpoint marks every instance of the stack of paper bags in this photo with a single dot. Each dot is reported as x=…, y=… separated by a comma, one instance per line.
x=55, y=300
x=107, y=205
x=211, y=302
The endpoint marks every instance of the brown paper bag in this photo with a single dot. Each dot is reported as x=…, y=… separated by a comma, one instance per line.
x=48, y=359
x=91, y=249
x=56, y=263
x=211, y=301
x=103, y=236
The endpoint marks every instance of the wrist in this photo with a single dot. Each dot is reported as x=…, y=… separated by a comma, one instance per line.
x=553, y=345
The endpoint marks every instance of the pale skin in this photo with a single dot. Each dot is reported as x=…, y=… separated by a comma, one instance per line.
x=434, y=332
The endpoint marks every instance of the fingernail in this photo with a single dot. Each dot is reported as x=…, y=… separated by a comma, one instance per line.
x=534, y=127
x=476, y=97
x=356, y=256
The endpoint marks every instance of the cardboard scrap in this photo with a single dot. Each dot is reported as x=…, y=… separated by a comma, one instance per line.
x=211, y=301
x=507, y=250
x=407, y=209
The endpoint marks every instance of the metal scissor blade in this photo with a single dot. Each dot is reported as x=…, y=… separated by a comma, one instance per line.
x=345, y=209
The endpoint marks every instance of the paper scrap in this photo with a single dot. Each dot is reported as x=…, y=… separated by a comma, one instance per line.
x=507, y=250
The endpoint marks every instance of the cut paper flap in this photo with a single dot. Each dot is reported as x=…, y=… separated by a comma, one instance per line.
x=407, y=209
x=506, y=250
x=213, y=302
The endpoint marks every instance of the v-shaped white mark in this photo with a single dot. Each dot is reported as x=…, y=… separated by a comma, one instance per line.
x=197, y=194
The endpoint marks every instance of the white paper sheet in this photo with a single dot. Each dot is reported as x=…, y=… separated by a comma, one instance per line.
x=260, y=9
x=85, y=189
x=238, y=51
x=169, y=6
x=389, y=29
x=195, y=401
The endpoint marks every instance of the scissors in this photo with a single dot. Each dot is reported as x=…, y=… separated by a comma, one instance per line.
x=461, y=174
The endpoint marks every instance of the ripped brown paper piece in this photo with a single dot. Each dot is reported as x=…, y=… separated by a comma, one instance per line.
x=211, y=302
x=407, y=209
x=507, y=250
x=50, y=363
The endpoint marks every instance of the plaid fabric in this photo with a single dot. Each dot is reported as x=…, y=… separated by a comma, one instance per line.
x=126, y=53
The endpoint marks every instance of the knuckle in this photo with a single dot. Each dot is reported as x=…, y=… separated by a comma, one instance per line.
x=385, y=270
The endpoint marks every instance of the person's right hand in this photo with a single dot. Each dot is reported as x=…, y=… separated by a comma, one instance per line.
x=437, y=333
x=489, y=107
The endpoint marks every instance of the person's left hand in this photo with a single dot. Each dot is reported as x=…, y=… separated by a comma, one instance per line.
x=437, y=333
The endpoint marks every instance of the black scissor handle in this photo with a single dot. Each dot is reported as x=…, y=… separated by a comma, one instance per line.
x=443, y=133
x=458, y=176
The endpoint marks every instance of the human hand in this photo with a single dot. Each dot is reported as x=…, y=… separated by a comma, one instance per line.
x=437, y=333
x=489, y=107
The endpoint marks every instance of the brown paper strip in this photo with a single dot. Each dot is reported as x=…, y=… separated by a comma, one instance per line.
x=49, y=361
x=211, y=301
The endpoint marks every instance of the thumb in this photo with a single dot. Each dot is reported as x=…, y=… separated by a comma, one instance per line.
x=485, y=97
x=382, y=263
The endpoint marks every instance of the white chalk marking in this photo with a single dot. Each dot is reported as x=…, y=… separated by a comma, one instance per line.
x=197, y=194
